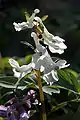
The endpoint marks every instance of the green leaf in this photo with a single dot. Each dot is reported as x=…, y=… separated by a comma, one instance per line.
x=8, y=79
x=54, y=108
x=49, y=91
x=68, y=80
x=64, y=80
x=11, y=86
x=5, y=62
x=28, y=59
x=73, y=72
x=69, y=116
x=4, y=95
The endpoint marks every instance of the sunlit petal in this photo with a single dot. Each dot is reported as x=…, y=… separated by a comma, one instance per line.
x=14, y=63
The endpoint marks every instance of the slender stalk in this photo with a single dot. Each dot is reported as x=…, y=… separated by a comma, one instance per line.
x=16, y=85
x=41, y=95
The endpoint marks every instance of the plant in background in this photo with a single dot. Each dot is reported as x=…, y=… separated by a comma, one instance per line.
x=41, y=73
x=41, y=60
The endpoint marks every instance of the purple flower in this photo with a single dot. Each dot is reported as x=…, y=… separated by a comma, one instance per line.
x=10, y=113
x=18, y=108
x=23, y=114
x=3, y=111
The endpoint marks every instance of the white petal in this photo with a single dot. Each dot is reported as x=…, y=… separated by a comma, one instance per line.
x=33, y=34
x=35, y=23
x=16, y=74
x=61, y=45
x=25, y=68
x=57, y=38
x=14, y=63
x=46, y=41
x=61, y=64
x=54, y=47
x=35, y=63
x=39, y=47
x=50, y=78
x=20, y=26
x=30, y=21
x=54, y=75
x=42, y=68
x=65, y=66
x=38, y=19
x=60, y=51
x=36, y=11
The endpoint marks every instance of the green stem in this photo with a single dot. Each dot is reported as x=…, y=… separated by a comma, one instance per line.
x=41, y=95
x=18, y=81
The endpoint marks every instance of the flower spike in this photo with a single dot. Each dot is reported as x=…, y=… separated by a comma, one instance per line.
x=28, y=24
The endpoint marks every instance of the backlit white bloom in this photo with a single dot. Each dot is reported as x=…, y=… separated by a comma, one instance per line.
x=62, y=64
x=20, y=70
x=28, y=24
x=20, y=26
x=42, y=60
x=55, y=43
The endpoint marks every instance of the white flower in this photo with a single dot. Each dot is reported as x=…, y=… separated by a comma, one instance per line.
x=30, y=21
x=42, y=60
x=51, y=77
x=28, y=24
x=62, y=64
x=55, y=43
x=20, y=26
x=23, y=70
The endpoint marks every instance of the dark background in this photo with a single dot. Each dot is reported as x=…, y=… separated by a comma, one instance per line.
x=63, y=20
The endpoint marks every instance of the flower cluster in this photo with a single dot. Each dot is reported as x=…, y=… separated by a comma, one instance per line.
x=19, y=108
x=41, y=59
x=55, y=43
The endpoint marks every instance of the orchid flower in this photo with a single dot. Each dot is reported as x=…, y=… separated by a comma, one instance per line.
x=20, y=71
x=55, y=43
x=42, y=60
x=28, y=24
